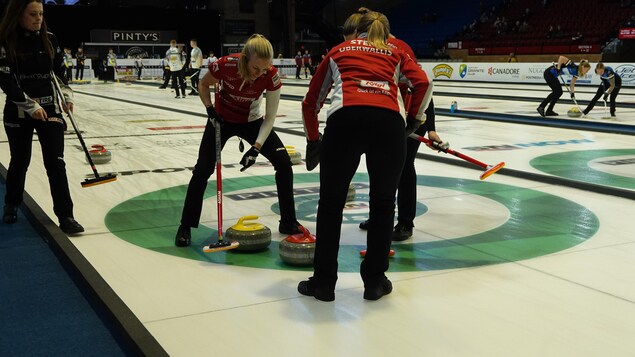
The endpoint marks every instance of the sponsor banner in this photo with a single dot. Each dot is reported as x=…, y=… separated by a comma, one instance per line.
x=627, y=33
x=515, y=72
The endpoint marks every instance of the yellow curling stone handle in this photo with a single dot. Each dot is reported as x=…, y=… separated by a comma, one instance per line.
x=249, y=226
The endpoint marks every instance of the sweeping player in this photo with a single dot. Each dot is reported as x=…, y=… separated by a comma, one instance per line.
x=610, y=86
x=551, y=75
x=407, y=191
x=242, y=77
x=363, y=119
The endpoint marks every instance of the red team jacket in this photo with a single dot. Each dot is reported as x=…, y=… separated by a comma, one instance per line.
x=238, y=101
x=362, y=75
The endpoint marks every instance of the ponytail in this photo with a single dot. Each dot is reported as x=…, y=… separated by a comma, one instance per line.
x=376, y=25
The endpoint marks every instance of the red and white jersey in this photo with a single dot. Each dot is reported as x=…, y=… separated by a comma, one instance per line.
x=362, y=75
x=238, y=101
x=396, y=43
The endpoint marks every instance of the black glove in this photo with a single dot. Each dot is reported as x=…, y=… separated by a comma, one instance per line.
x=212, y=115
x=606, y=96
x=412, y=125
x=313, y=153
x=249, y=158
x=572, y=95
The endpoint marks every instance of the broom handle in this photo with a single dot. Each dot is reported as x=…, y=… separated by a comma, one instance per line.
x=448, y=150
x=219, y=180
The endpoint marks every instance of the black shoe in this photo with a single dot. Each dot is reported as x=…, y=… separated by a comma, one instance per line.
x=376, y=292
x=193, y=92
x=541, y=111
x=308, y=288
x=401, y=232
x=289, y=227
x=364, y=225
x=183, y=237
x=551, y=113
x=162, y=87
x=10, y=214
x=177, y=96
x=70, y=226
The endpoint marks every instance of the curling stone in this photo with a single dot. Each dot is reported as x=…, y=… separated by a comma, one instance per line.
x=574, y=112
x=99, y=154
x=251, y=236
x=296, y=157
x=350, y=196
x=298, y=249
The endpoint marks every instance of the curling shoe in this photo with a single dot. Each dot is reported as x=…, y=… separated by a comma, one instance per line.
x=541, y=111
x=378, y=291
x=70, y=226
x=364, y=225
x=551, y=113
x=10, y=214
x=183, y=237
x=310, y=288
x=401, y=232
x=289, y=227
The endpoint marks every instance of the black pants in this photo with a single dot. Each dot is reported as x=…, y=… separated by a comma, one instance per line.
x=350, y=132
x=178, y=81
x=51, y=137
x=69, y=74
x=166, y=77
x=194, y=78
x=407, y=192
x=556, y=90
x=110, y=73
x=79, y=72
x=272, y=149
x=297, y=71
x=139, y=70
x=599, y=93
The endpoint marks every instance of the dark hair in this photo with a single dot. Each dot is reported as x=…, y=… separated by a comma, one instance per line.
x=10, y=27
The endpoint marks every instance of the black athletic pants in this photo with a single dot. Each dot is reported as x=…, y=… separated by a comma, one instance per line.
x=79, y=72
x=194, y=76
x=600, y=93
x=272, y=149
x=556, y=90
x=51, y=137
x=407, y=192
x=350, y=132
x=178, y=81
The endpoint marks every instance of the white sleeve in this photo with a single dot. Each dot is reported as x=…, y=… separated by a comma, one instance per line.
x=272, y=100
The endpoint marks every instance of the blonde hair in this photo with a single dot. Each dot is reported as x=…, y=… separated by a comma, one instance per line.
x=584, y=64
x=257, y=45
x=377, y=27
x=351, y=24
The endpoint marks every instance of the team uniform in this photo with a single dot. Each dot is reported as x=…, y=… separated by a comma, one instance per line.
x=28, y=86
x=306, y=63
x=111, y=66
x=176, y=62
x=608, y=77
x=365, y=117
x=551, y=75
x=68, y=64
x=80, y=58
x=298, y=65
x=238, y=103
x=196, y=59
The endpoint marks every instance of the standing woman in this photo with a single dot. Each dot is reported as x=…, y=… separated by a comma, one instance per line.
x=551, y=75
x=242, y=77
x=610, y=86
x=80, y=57
x=364, y=118
x=28, y=56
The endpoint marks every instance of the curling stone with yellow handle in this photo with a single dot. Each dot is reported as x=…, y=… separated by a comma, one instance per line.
x=252, y=236
x=296, y=157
